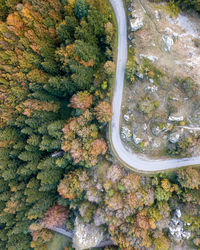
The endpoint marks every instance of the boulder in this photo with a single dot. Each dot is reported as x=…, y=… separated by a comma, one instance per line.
x=176, y=118
x=168, y=42
x=136, y=23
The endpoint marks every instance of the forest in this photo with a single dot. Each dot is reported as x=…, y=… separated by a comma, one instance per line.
x=56, y=73
x=56, y=66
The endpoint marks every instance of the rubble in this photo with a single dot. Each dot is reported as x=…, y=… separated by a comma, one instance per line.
x=86, y=235
x=176, y=227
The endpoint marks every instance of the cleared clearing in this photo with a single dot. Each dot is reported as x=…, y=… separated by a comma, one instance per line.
x=161, y=109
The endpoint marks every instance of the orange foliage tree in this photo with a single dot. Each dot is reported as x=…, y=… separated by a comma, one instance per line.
x=81, y=100
x=103, y=111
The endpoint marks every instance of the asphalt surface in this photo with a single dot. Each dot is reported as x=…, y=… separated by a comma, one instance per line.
x=129, y=159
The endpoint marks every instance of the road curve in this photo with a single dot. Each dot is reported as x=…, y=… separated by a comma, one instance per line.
x=129, y=159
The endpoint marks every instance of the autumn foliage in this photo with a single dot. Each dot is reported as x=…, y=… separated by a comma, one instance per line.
x=51, y=63
x=81, y=139
x=81, y=100
x=69, y=187
x=55, y=216
x=103, y=111
x=40, y=236
x=31, y=105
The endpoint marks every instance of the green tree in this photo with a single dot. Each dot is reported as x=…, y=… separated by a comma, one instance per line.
x=161, y=194
x=3, y=9
x=189, y=178
x=81, y=8
x=66, y=29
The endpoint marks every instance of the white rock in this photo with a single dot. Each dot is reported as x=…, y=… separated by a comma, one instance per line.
x=178, y=213
x=136, y=24
x=168, y=30
x=130, y=36
x=151, y=58
x=152, y=89
x=190, y=27
x=168, y=42
x=176, y=227
x=176, y=118
x=156, y=144
x=126, y=117
x=134, y=14
x=86, y=235
x=140, y=75
x=186, y=235
x=174, y=137
x=136, y=139
x=126, y=133
x=157, y=15
x=145, y=127
x=175, y=99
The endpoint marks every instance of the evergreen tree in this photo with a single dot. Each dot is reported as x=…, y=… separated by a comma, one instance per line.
x=81, y=8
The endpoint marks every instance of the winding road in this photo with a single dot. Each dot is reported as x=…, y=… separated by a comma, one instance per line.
x=127, y=158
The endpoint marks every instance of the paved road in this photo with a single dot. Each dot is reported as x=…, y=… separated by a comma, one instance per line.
x=125, y=156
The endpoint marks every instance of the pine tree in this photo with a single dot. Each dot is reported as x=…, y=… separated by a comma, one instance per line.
x=81, y=8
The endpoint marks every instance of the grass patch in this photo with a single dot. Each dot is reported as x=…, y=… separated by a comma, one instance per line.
x=58, y=242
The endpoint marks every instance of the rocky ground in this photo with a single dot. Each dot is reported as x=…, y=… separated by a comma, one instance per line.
x=161, y=108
